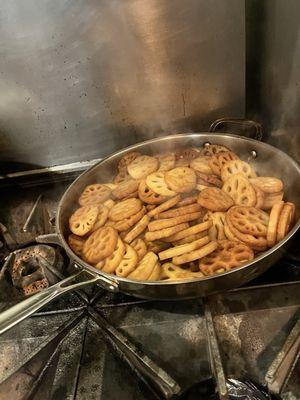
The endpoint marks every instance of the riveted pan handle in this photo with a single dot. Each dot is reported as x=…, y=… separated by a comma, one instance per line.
x=244, y=127
x=27, y=307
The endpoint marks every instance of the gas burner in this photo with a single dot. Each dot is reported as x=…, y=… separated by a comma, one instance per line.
x=30, y=270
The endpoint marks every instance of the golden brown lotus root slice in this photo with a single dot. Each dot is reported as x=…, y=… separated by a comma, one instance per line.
x=112, y=262
x=127, y=159
x=258, y=243
x=166, y=161
x=94, y=194
x=128, y=262
x=270, y=199
x=286, y=220
x=170, y=271
x=260, y=197
x=209, y=180
x=140, y=247
x=125, y=189
x=124, y=209
x=148, y=196
x=213, y=149
x=127, y=223
x=100, y=244
x=249, y=220
x=83, y=219
x=201, y=164
x=142, y=166
x=227, y=256
x=122, y=176
x=237, y=167
x=273, y=223
x=216, y=231
x=76, y=243
x=145, y=267
x=267, y=184
x=157, y=183
x=240, y=189
x=101, y=217
x=215, y=199
x=181, y=179
x=186, y=155
x=155, y=274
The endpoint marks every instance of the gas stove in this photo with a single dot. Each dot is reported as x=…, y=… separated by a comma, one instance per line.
x=61, y=352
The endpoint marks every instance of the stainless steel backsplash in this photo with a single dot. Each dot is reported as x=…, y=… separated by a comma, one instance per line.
x=82, y=78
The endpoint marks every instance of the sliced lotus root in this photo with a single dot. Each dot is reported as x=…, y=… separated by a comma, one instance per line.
x=196, y=254
x=237, y=167
x=216, y=231
x=213, y=149
x=249, y=220
x=157, y=183
x=170, y=271
x=227, y=256
x=128, y=262
x=186, y=155
x=268, y=184
x=145, y=267
x=140, y=247
x=122, y=176
x=83, y=219
x=137, y=229
x=215, y=199
x=162, y=233
x=273, y=223
x=187, y=201
x=111, y=263
x=76, y=243
x=240, y=189
x=192, y=230
x=164, y=206
x=229, y=235
x=125, y=189
x=166, y=161
x=101, y=217
x=127, y=159
x=177, y=212
x=109, y=203
x=168, y=222
x=148, y=196
x=94, y=194
x=258, y=243
x=181, y=179
x=201, y=164
x=150, y=207
x=142, y=166
x=127, y=223
x=260, y=197
x=100, y=244
x=157, y=246
x=270, y=199
x=208, y=179
x=183, y=249
x=286, y=220
x=190, y=238
x=124, y=209
x=214, y=165
x=156, y=272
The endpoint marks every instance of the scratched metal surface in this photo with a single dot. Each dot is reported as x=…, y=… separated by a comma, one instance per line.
x=252, y=326
x=82, y=78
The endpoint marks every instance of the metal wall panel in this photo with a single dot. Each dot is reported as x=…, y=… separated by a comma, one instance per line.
x=81, y=78
x=273, y=74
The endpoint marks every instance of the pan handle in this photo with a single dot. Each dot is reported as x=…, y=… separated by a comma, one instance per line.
x=246, y=127
x=27, y=307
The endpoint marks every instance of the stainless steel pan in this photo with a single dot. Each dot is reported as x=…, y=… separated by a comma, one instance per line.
x=268, y=160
